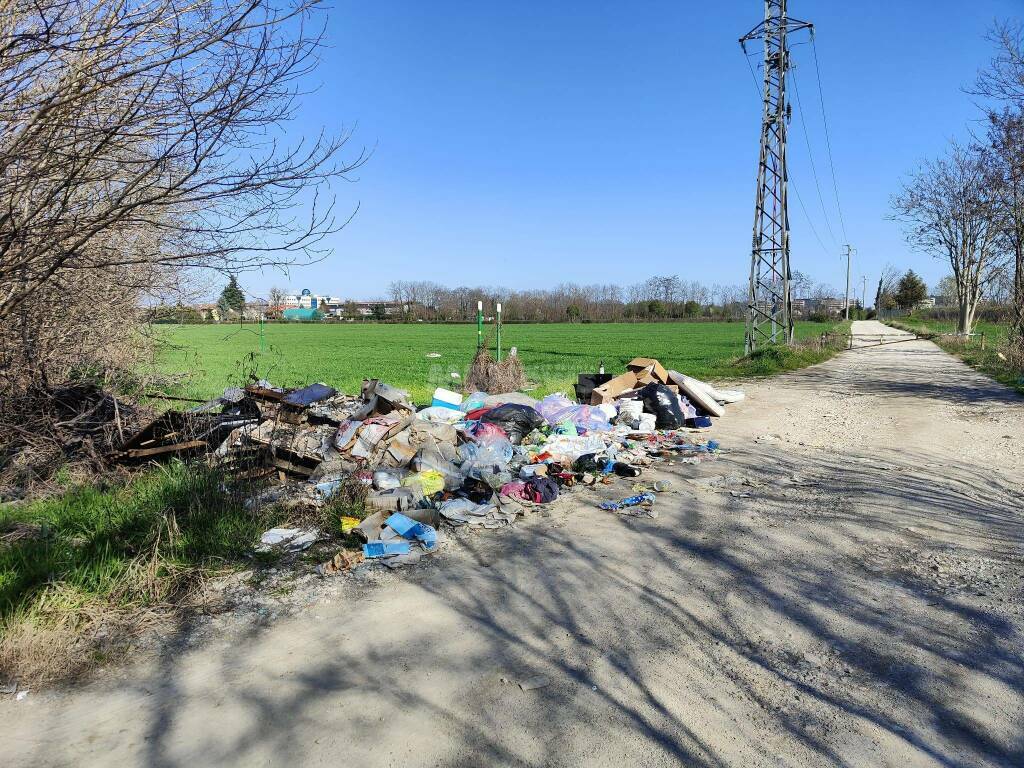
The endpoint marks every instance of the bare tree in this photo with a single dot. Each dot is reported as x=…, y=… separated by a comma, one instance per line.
x=885, y=296
x=1002, y=81
x=1006, y=142
x=276, y=296
x=950, y=211
x=156, y=122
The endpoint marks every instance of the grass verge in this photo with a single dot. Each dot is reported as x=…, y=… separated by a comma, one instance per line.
x=995, y=360
x=82, y=573
x=770, y=360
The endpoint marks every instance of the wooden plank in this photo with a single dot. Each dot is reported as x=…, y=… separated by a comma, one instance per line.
x=141, y=453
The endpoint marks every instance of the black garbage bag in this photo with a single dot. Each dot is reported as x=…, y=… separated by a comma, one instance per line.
x=517, y=420
x=664, y=404
x=589, y=462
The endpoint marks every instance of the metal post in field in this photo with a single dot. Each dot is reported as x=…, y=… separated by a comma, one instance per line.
x=498, y=357
x=479, y=326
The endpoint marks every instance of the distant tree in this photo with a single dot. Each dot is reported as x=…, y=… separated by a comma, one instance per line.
x=276, y=296
x=946, y=290
x=691, y=308
x=656, y=308
x=379, y=312
x=885, y=296
x=911, y=290
x=573, y=313
x=232, y=299
x=800, y=284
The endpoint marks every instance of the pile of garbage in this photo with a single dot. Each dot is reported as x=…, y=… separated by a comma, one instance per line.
x=476, y=461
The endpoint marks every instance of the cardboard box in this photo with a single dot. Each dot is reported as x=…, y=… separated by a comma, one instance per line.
x=640, y=364
x=608, y=391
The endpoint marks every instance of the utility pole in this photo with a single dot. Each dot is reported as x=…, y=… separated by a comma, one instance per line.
x=849, y=251
x=770, y=317
x=864, y=294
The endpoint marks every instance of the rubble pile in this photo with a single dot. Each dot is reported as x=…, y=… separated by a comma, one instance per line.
x=477, y=461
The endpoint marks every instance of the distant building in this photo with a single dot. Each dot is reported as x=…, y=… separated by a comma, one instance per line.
x=823, y=306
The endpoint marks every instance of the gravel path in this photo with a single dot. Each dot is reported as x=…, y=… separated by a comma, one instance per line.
x=843, y=588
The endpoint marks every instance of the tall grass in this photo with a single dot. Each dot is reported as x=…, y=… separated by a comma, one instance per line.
x=93, y=560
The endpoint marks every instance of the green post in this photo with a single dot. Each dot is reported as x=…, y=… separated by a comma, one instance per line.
x=263, y=340
x=479, y=326
x=498, y=358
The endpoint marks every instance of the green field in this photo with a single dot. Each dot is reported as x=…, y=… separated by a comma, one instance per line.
x=213, y=357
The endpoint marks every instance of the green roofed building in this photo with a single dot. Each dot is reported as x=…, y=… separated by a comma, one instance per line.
x=301, y=313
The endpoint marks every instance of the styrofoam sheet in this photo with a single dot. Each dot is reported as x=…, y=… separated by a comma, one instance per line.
x=695, y=391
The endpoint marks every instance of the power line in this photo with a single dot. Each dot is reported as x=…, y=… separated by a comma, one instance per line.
x=792, y=184
x=810, y=155
x=757, y=87
x=828, y=141
x=807, y=216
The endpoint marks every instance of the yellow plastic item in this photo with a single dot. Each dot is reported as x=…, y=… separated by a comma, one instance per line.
x=348, y=523
x=429, y=480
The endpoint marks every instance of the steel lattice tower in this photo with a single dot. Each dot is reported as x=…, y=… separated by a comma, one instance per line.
x=770, y=318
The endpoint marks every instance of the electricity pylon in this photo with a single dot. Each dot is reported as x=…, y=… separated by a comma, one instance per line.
x=770, y=317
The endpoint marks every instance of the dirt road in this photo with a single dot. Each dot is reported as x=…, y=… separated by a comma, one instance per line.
x=842, y=588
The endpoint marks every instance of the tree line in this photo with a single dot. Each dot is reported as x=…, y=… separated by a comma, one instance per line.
x=661, y=297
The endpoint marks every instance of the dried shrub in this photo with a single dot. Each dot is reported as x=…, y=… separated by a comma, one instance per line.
x=487, y=375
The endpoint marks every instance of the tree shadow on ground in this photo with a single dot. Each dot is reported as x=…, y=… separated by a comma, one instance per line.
x=789, y=626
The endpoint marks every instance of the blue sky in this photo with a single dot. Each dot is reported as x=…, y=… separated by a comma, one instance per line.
x=527, y=144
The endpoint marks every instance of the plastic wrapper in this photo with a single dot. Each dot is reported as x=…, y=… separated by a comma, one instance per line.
x=491, y=449
x=431, y=459
x=557, y=409
x=488, y=461
x=486, y=431
x=429, y=481
x=517, y=420
x=473, y=402
x=440, y=415
x=571, y=448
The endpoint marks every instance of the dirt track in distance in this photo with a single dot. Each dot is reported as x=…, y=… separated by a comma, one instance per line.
x=841, y=588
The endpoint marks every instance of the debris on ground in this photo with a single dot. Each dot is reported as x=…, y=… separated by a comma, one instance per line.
x=387, y=476
x=533, y=683
x=287, y=539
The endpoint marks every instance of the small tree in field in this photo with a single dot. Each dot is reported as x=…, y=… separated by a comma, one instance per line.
x=911, y=290
x=232, y=298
